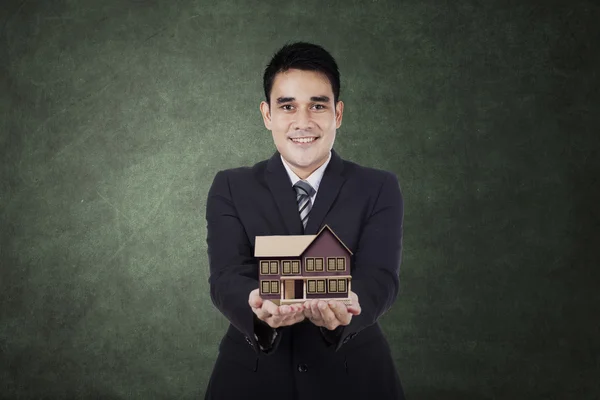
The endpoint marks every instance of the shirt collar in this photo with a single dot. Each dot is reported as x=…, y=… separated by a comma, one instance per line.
x=314, y=179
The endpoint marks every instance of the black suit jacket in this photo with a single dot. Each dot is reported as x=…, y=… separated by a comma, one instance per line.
x=364, y=208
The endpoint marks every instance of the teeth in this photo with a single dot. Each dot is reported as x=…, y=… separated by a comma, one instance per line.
x=303, y=140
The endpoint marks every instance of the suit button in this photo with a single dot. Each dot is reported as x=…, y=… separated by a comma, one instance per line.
x=302, y=368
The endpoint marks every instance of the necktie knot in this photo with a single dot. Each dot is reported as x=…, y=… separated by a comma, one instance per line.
x=304, y=188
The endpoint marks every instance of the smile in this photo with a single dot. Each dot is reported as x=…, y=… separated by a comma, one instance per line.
x=303, y=140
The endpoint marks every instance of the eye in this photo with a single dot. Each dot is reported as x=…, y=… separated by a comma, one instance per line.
x=284, y=107
x=320, y=106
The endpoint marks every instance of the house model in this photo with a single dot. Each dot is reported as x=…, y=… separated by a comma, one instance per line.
x=297, y=268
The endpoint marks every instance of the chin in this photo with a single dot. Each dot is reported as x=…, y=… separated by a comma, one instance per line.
x=305, y=162
x=303, y=159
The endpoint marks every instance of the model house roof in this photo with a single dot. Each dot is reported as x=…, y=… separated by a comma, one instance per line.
x=282, y=246
x=287, y=245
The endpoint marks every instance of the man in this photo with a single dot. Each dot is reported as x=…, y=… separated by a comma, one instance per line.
x=318, y=349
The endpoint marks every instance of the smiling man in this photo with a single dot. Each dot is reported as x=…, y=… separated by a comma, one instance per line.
x=318, y=349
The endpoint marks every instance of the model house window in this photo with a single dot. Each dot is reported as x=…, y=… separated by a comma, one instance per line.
x=333, y=286
x=264, y=267
x=274, y=267
x=295, y=267
x=312, y=286
x=266, y=286
x=321, y=286
x=331, y=264
x=341, y=285
x=310, y=264
x=319, y=264
x=341, y=264
x=274, y=287
x=287, y=267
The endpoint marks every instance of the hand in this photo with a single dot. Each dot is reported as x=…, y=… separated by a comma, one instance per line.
x=333, y=313
x=275, y=316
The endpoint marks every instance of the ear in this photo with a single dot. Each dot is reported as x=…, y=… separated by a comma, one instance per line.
x=266, y=114
x=339, y=111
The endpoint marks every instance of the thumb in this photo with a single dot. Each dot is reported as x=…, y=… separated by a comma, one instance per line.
x=354, y=310
x=255, y=300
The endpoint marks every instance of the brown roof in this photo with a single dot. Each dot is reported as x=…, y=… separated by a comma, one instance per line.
x=287, y=245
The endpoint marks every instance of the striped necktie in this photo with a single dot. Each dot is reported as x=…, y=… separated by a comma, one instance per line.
x=303, y=193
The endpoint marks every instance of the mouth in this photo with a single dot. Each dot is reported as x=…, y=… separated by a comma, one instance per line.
x=304, y=140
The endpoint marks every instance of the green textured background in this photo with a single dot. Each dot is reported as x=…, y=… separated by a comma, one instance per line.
x=116, y=115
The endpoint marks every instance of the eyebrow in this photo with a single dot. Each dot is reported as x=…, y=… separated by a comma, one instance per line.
x=321, y=99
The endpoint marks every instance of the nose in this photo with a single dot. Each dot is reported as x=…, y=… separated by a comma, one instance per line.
x=302, y=120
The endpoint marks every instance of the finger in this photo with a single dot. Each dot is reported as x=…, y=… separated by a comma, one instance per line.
x=294, y=308
x=291, y=309
x=270, y=307
x=308, y=313
x=307, y=304
x=287, y=314
x=286, y=319
x=329, y=319
x=340, y=312
x=298, y=308
x=306, y=307
x=292, y=319
x=314, y=309
x=354, y=310
x=279, y=320
x=254, y=299
x=286, y=309
x=261, y=314
x=315, y=312
x=314, y=303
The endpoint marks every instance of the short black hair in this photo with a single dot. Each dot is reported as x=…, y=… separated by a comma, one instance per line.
x=303, y=56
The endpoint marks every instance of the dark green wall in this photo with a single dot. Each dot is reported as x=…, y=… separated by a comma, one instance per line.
x=115, y=117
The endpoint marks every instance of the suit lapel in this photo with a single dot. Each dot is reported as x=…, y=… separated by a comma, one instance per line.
x=328, y=190
x=284, y=194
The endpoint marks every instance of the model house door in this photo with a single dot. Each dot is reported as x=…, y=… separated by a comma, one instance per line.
x=289, y=289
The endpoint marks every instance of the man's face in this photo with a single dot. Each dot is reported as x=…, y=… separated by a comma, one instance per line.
x=302, y=118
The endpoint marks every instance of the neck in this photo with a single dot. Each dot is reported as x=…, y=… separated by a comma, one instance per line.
x=304, y=173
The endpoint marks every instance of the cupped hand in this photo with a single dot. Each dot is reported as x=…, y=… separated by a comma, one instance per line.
x=275, y=316
x=333, y=313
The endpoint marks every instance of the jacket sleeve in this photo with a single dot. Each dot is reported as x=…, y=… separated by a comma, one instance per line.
x=375, y=278
x=233, y=268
